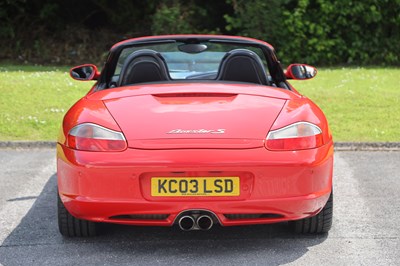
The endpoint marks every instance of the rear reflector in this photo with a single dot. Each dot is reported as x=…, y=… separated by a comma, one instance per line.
x=140, y=217
x=249, y=216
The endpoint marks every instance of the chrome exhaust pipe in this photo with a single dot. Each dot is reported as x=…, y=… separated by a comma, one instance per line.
x=204, y=222
x=186, y=223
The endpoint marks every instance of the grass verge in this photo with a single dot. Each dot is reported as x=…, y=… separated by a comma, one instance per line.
x=361, y=104
x=34, y=99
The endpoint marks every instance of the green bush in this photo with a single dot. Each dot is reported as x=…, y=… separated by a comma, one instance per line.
x=322, y=32
x=170, y=19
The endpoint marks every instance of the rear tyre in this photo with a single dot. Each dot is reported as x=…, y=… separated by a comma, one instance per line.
x=318, y=224
x=70, y=226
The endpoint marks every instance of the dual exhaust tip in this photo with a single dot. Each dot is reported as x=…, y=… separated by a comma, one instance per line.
x=202, y=222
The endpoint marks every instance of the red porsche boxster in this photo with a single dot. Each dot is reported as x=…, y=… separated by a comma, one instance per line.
x=193, y=131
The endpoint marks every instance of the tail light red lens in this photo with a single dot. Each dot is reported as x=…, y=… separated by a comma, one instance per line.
x=297, y=136
x=92, y=137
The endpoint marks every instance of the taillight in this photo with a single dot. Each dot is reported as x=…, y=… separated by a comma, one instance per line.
x=92, y=137
x=297, y=136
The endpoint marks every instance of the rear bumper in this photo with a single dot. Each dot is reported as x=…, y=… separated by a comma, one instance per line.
x=108, y=187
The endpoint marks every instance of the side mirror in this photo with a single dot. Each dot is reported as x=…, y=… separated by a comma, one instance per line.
x=300, y=71
x=85, y=72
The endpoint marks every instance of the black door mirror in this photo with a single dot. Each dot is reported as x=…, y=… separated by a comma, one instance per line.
x=85, y=72
x=300, y=71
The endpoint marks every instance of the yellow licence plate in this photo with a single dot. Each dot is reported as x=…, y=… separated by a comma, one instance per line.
x=195, y=186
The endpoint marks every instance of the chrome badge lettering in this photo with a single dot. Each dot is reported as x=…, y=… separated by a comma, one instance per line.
x=197, y=131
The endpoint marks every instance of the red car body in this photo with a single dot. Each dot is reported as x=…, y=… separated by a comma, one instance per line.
x=181, y=134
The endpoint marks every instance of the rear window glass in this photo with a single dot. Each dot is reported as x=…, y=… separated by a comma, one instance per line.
x=183, y=65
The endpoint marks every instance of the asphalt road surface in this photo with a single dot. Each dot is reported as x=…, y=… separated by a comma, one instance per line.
x=365, y=229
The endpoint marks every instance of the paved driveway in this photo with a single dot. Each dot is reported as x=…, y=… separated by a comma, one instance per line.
x=365, y=231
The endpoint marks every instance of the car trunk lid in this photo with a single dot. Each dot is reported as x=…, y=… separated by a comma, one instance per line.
x=195, y=119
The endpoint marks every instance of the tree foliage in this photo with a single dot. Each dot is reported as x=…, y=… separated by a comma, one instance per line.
x=322, y=32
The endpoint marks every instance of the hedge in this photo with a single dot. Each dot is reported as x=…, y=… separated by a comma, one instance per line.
x=321, y=32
